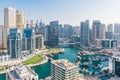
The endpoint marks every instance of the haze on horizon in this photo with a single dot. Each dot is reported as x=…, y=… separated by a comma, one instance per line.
x=66, y=11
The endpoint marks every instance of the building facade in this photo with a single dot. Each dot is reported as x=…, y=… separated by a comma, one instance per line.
x=117, y=28
x=64, y=70
x=60, y=31
x=109, y=35
x=75, y=38
x=110, y=28
x=9, y=21
x=53, y=37
x=13, y=19
x=1, y=34
x=21, y=73
x=68, y=31
x=109, y=43
x=39, y=42
x=117, y=37
x=20, y=20
x=116, y=65
x=85, y=32
x=102, y=31
x=14, y=43
x=76, y=30
x=28, y=40
x=96, y=29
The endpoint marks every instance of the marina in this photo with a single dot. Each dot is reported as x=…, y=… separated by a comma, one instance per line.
x=88, y=64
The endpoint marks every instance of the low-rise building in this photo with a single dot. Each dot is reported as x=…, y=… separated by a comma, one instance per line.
x=21, y=73
x=4, y=58
x=107, y=43
x=75, y=38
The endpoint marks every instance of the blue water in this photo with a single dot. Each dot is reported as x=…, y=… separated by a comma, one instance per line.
x=3, y=77
x=70, y=54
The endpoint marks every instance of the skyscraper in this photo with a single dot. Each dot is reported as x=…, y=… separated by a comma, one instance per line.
x=116, y=28
x=39, y=42
x=9, y=21
x=20, y=20
x=110, y=28
x=31, y=23
x=96, y=29
x=1, y=34
x=76, y=30
x=102, y=31
x=85, y=32
x=46, y=34
x=53, y=34
x=64, y=70
x=14, y=43
x=28, y=39
x=13, y=19
x=68, y=31
x=60, y=30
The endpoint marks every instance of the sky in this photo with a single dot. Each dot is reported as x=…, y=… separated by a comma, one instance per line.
x=66, y=11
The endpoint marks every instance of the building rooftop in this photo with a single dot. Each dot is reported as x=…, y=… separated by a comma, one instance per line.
x=28, y=32
x=21, y=72
x=64, y=63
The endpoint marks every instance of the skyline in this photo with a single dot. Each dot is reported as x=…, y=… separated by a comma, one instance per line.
x=66, y=11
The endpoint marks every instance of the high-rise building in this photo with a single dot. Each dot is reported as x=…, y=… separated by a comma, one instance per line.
x=117, y=37
x=46, y=33
x=116, y=65
x=14, y=43
x=76, y=30
x=13, y=19
x=64, y=70
x=28, y=40
x=116, y=28
x=109, y=43
x=9, y=21
x=85, y=32
x=41, y=27
x=39, y=42
x=31, y=23
x=60, y=31
x=75, y=38
x=53, y=34
x=110, y=28
x=109, y=35
x=102, y=31
x=68, y=31
x=1, y=34
x=20, y=20
x=96, y=29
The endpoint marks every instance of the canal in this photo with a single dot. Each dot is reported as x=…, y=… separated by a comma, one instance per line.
x=71, y=54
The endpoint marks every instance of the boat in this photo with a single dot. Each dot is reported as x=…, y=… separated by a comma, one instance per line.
x=85, y=70
x=49, y=59
x=79, y=58
x=49, y=55
x=79, y=54
x=84, y=52
x=62, y=51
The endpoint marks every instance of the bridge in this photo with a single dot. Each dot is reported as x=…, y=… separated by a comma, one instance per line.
x=64, y=42
x=69, y=43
